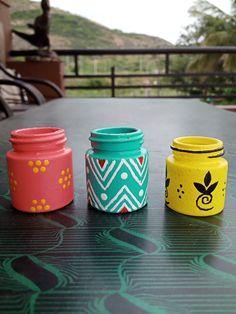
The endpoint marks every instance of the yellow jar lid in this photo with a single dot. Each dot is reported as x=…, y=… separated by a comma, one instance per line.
x=197, y=144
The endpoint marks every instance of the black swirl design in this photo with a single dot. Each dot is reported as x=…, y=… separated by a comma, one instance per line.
x=205, y=198
x=203, y=201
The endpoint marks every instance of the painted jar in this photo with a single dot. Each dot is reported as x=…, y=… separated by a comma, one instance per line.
x=40, y=169
x=196, y=176
x=117, y=170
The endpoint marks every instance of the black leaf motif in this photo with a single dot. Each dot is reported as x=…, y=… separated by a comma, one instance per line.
x=207, y=179
x=211, y=188
x=200, y=187
x=167, y=182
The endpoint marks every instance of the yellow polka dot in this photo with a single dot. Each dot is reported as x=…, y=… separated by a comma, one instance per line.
x=38, y=163
x=60, y=181
x=46, y=162
x=30, y=163
x=14, y=189
x=12, y=174
x=66, y=178
x=33, y=209
x=35, y=170
x=69, y=176
x=43, y=201
x=68, y=183
x=63, y=172
x=39, y=207
x=67, y=170
x=43, y=169
x=64, y=186
x=15, y=182
x=34, y=202
x=47, y=207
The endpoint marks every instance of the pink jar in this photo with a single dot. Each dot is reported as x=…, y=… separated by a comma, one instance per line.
x=40, y=170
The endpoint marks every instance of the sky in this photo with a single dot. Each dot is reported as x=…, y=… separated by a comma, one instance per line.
x=162, y=18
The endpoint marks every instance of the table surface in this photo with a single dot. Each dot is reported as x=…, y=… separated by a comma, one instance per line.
x=79, y=260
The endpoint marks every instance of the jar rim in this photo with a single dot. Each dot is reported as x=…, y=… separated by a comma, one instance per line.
x=36, y=132
x=197, y=144
x=118, y=131
x=116, y=134
x=37, y=138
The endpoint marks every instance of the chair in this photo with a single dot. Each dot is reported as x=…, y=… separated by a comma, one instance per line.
x=24, y=92
x=5, y=110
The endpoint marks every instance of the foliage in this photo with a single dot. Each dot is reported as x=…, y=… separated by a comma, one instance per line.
x=69, y=31
x=212, y=27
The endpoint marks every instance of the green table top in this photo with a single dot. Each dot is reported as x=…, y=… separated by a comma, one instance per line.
x=79, y=260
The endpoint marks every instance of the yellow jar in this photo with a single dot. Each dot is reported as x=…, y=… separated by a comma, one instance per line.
x=196, y=176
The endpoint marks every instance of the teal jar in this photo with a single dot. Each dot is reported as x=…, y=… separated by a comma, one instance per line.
x=117, y=170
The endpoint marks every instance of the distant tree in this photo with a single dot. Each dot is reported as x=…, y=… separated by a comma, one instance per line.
x=212, y=27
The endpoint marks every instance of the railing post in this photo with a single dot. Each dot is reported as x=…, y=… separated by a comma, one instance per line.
x=167, y=62
x=76, y=65
x=113, y=82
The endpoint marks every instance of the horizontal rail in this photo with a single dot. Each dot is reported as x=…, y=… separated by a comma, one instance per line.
x=215, y=85
x=139, y=51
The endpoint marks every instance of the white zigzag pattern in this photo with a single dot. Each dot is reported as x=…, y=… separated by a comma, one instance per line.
x=125, y=205
x=104, y=166
x=122, y=162
x=140, y=182
x=92, y=163
x=136, y=165
x=96, y=200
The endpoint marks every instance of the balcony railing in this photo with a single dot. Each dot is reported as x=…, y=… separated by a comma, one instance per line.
x=161, y=79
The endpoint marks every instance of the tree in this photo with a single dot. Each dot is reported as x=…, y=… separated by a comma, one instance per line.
x=212, y=27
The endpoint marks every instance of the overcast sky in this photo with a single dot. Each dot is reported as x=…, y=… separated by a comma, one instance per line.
x=162, y=18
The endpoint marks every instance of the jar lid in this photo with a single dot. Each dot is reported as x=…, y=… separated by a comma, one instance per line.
x=116, y=134
x=198, y=145
x=38, y=138
x=116, y=138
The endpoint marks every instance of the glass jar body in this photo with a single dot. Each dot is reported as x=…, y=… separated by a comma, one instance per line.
x=196, y=179
x=117, y=170
x=40, y=170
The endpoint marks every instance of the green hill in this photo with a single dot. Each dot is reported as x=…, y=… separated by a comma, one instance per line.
x=70, y=31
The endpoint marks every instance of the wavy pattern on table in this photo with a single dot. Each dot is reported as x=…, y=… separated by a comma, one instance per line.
x=83, y=261
x=219, y=265
x=33, y=274
x=127, y=241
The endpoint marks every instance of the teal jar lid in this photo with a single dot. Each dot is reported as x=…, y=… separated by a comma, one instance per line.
x=116, y=139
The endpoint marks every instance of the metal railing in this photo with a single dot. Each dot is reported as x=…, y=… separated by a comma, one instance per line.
x=164, y=82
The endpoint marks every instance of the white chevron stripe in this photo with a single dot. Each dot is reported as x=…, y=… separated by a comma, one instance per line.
x=93, y=196
x=124, y=205
x=140, y=182
x=128, y=204
x=105, y=187
x=126, y=197
x=136, y=163
x=122, y=162
x=95, y=169
x=122, y=190
x=104, y=166
x=92, y=202
x=131, y=160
